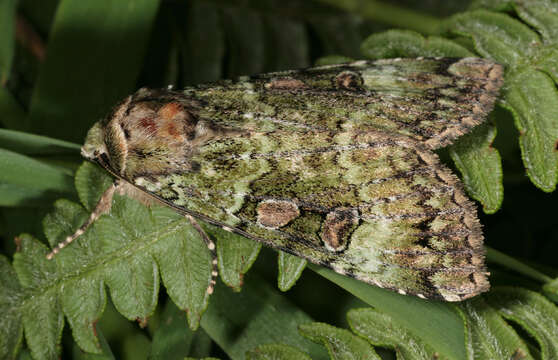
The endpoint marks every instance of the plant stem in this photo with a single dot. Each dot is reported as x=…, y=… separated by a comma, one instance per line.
x=509, y=262
x=395, y=16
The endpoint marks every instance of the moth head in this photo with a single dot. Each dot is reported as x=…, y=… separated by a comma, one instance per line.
x=149, y=132
x=94, y=143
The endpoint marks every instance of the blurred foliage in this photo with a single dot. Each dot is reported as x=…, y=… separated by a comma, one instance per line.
x=64, y=63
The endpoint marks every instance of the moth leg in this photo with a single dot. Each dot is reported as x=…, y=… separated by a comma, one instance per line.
x=102, y=207
x=212, y=250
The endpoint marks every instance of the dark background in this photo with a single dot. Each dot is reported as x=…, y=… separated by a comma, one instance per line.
x=65, y=90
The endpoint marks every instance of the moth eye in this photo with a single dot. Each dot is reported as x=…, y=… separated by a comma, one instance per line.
x=348, y=80
x=126, y=133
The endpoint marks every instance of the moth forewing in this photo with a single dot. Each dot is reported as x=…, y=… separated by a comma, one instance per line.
x=333, y=164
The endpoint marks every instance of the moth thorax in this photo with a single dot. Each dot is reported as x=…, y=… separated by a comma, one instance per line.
x=151, y=130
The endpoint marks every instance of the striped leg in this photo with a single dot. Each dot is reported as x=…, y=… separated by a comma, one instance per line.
x=102, y=207
x=211, y=246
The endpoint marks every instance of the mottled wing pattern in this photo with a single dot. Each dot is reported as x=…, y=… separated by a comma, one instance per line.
x=333, y=164
x=430, y=100
x=378, y=207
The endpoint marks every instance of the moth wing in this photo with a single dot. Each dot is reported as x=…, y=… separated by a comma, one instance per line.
x=378, y=207
x=431, y=100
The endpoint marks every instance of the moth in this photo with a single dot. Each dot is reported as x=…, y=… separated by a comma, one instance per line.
x=334, y=164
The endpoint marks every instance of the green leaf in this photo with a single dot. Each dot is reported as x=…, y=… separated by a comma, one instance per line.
x=42, y=316
x=185, y=266
x=41, y=14
x=90, y=177
x=124, y=250
x=11, y=327
x=24, y=355
x=95, y=51
x=290, y=269
x=340, y=343
x=547, y=61
x=382, y=330
x=7, y=27
x=26, y=181
x=238, y=322
x=244, y=34
x=255, y=42
x=497, y=5
x=333, y=59
x=286, y=53
x=115, y=327
x=30, y=144
x=496, y=257
x=488, y=335
x=480, y=166
x=497, y=36
x=184, y=261
x=405, y=43
x=540, y=14
x=531, y=89
x=551, y=289
x=537, y=315
x=106, y=353
x=163, y=50
x=133, y=280
x=82, y=315
x=543, y=15
x=339, y=35
x=173, y=339
x=11, y=113
x=435, y=323
x=236, y=254
x=136, y=347
x=209, y=46
x=527, y=58
x=66, y=217
x=83, y=298
x=276, y=352
x=385, y=12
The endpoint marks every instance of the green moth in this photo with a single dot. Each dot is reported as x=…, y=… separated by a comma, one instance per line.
x=334, y=164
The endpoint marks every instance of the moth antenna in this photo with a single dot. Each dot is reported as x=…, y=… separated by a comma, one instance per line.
x=102, y=207
x=212, y=250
